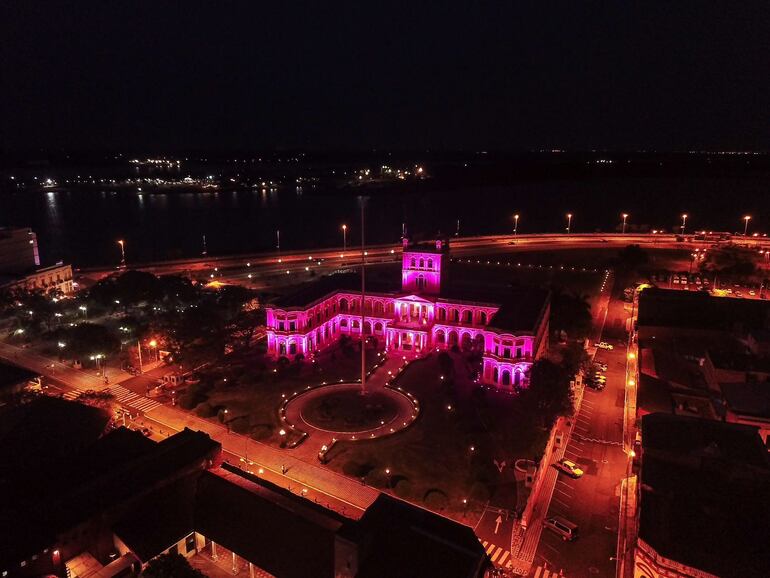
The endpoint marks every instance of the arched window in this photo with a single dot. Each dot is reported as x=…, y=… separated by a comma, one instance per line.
x=343, y=304
x=356, y=325
x=483, y=318
x=517, y=378
x=343, y=322
x=506, y=378
x=378, y=327
x=413, y=263
x=430, y=264
x=282, y=348
x=292, y=348
x=495, y=374
x=420, y=283
x=440, y=337
x=442, y=314
x=467, y=316
x=378, y=309
x=422, y=263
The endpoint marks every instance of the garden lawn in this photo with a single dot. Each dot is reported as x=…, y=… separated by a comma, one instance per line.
x=431, y=462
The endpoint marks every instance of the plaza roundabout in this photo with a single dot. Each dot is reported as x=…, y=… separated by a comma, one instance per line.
x=341, y=411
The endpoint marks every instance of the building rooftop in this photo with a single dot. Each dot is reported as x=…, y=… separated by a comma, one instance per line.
x=377, y=282
x=282, y=533
x=749, y=399
x=521, y=308
x=412, y=542
x=162, y=518
x=13, y=375
x=699, y=310
x=95, y=477
x=705, y=494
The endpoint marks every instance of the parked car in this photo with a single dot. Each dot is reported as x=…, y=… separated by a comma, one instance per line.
x=568, y=467
x=605, y=345
x=596, y=385
x=563, y=527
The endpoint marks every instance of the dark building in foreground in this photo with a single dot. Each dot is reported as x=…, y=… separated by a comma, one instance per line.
x=114, y=503
x=704, y=500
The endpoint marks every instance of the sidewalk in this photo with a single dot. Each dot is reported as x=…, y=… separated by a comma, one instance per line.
x=303, y=472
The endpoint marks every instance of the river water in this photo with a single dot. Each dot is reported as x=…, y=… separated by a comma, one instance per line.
x=82, y=226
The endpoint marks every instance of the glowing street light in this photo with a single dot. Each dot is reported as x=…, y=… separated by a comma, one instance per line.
x=569, y=222
x=122, y=253
x=746, y=220
x=515, y=225
x=344, y=238
x=684, y=221
x=625, y=217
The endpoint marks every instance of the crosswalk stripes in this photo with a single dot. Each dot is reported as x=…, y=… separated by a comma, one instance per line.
x=123, y=396
x=542, y=572
x=128, y=397
x=497, y=554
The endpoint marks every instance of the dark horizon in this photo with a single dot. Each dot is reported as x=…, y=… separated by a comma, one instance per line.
x=119, y=76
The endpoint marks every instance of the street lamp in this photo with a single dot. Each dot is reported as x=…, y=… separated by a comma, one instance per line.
x=84, y=309
x=122, y=253
x=569, y=222
x=746, y=220
x=625, y=217
x=344, y=238
x=684, y=221
x=154, y=344
x=515, y=226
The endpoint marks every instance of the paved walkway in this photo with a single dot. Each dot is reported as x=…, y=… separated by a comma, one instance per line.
x=407, y=409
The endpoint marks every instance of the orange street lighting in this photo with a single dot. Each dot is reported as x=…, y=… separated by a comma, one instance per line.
x=122, y=253
x=344, y=238
x=684, y=221
x=625, y=217
x=569, y=222
x=746, y=220
x=632, y=355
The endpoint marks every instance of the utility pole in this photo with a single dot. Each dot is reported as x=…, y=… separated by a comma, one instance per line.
x=204, y=246
x=363, y=301
x=457, y=232
x=139, y=349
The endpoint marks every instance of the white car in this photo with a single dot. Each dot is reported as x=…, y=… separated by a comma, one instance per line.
x=604, y=345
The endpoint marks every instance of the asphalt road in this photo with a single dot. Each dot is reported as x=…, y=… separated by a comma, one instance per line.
x=592, y=501
x=460, y=246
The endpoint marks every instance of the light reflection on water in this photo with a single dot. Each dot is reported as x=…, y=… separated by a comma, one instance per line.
x=83, y=226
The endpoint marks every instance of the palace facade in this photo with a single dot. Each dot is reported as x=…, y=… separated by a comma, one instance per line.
x=430, y=311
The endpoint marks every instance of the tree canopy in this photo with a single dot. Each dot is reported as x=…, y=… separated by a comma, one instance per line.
x=570, y=312
x=730, y=262
x=631, y=257
x=86, y=339
x=171, y=566
x=549, y=394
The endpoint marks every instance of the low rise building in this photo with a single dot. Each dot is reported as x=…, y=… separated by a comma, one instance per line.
x=20, y=265
x=704, y=500
x=122, y=499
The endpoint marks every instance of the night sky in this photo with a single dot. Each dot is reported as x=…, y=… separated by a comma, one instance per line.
x=507, y=75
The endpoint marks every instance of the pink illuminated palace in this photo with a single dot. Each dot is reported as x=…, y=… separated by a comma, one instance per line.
x=431, y=310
